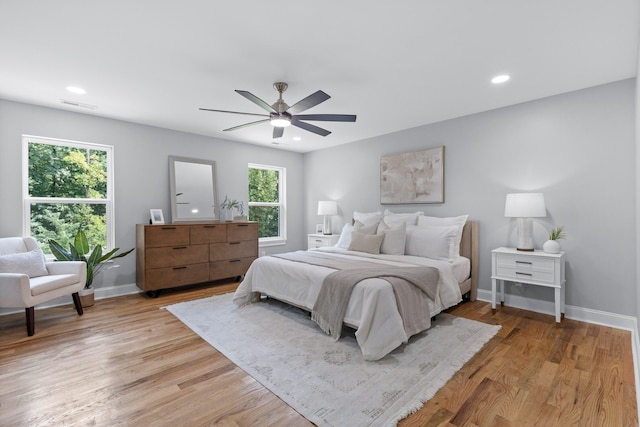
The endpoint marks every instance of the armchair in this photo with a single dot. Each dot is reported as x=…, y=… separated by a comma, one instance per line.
x=26, y=279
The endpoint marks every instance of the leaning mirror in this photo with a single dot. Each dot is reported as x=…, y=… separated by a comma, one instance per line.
x=193, y=189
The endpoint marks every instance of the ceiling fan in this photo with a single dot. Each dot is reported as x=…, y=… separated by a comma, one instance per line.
x=281, y=115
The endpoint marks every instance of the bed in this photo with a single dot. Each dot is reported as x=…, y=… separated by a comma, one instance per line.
x=372, y=309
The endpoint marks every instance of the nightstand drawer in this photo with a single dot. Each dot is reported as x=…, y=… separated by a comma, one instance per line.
x=320, y=240
x=522, y=267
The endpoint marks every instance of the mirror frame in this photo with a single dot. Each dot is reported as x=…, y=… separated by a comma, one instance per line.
x=172, y=188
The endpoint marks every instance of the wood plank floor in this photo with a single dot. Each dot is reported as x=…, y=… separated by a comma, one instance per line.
x=126, y=362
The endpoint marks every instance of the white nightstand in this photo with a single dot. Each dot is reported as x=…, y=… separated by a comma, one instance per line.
x=531, y=268
x=319, y=240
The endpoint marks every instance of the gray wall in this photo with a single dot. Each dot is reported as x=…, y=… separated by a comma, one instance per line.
x=577, y=148
x=141, y=171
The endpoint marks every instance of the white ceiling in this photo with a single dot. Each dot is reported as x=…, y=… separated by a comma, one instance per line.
x=396, y=65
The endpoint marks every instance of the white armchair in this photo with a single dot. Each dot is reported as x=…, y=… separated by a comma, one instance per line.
x=26, y=279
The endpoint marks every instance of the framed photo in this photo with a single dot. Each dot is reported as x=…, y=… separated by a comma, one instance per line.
x=415, y=177
x=156, y=216
x=319, y=228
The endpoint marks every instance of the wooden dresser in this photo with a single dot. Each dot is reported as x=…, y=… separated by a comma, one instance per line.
x=172, y=255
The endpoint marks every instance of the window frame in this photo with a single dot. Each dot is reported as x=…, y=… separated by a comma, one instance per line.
x=108, y=201
x=281, y=239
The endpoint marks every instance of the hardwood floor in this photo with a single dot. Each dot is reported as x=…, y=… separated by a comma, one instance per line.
x=126, y=362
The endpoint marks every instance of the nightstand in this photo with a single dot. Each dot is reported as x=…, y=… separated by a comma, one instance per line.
x=531, y=268
x=319, y=240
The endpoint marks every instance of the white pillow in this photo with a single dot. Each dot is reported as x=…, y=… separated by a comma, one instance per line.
x=438, y=242
x=367, y=218
x=345, y=237
x=393, y=219
x=459, y=221
x=30, y=263
x=394, y=238
x=369, y=243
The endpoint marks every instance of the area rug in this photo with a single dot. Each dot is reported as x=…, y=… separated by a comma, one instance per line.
x=326, y=381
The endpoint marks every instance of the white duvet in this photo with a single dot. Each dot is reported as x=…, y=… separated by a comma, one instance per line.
x=372, y=308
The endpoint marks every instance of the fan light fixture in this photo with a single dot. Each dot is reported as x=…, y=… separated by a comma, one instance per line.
x=280, y=121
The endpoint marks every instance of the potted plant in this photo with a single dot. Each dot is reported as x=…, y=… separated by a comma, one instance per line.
x=78, y=251
x=552, y=245
x=229, y=205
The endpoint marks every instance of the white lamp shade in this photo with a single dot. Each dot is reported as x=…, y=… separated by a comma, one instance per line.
x=327, y=207
x=525, y=205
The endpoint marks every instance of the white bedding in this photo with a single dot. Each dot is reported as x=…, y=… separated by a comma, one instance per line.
x=372, y=308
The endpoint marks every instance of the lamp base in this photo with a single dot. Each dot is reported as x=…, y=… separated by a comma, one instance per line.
x=525, y=249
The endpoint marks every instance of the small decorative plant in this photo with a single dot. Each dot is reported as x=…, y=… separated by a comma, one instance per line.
x=78, y=251
x=557, y=233
x=231, y=204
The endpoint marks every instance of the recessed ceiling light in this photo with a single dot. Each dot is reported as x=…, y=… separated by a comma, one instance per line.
x=500, y=79
x=297, y=138
x=76, y=90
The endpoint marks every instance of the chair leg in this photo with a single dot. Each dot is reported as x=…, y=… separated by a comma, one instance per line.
x=77, y=303
x=31, y=320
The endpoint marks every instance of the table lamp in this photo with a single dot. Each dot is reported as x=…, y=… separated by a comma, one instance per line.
x=525, y=206
x=326, y=208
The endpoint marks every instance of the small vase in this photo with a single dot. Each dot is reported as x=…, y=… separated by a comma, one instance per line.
x=228, y=215
x=551, y=247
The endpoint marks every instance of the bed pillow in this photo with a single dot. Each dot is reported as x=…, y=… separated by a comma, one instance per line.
x=367, y=218
x=345, y=237
x=394, y=238
x=369, y=243
x=30, y=263
x=438, y=242
x=459, y=221
x=393, y=219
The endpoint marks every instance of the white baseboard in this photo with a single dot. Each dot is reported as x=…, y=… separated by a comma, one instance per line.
x=588, y=315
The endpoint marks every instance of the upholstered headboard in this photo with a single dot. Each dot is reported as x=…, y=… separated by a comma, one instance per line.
x=469, y=249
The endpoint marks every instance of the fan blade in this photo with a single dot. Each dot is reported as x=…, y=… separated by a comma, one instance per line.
x=309, y=127
x=234, y=112
x=251, y=97
x=247, y=124
x=277, y=132
x=328, y=117
x=308, y=102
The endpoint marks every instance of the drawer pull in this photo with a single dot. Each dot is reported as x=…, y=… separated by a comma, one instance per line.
x=168, y=228
x=524, y=262
x=524, y=274
x=234, y=260
x=318, y=240
x=234, y=243
x=243, y=225
x=180, y=268
x=209, y=226
x=180, y=247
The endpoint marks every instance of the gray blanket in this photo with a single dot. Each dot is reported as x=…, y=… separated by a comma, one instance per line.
x=333, y=299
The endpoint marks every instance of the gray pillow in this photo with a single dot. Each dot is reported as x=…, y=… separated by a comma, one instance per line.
x=369, y=243
x=30, y=263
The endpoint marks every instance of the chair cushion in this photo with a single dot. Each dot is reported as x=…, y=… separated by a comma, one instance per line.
x=40, y=285
x=30, y=263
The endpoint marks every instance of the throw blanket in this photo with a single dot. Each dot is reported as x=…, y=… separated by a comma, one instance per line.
x=333, y=299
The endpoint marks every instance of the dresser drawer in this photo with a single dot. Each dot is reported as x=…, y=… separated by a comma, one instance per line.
x=176, y=256
x=208, y=233
x=161, y=278
x=242, y=231
x=166, y=235
x=229, y=268
x=231, y=250
x=523, y=268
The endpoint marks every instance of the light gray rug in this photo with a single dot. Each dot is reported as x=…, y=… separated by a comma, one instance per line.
x=326, y=381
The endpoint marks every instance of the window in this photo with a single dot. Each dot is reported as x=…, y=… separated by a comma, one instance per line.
x=67, y=185
x=267, y=202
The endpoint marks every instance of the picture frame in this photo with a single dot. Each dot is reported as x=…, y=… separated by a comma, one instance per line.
x=319, y=228
x=412, y=177
x=157, y=217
